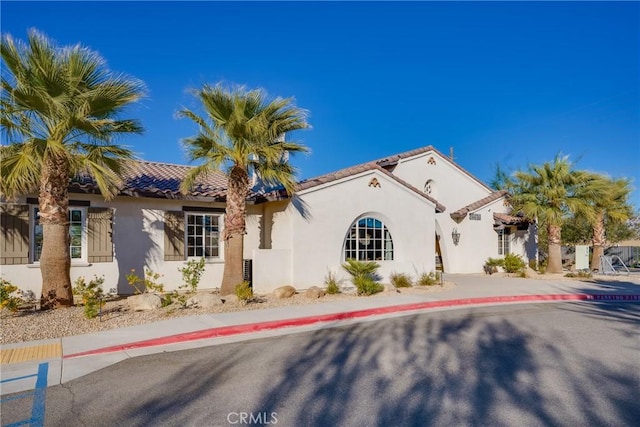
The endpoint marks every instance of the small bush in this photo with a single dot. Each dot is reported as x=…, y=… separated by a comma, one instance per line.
x=191, y=274
x=7, y=299
x=244, y=292
x=361, y=268
x=513, y=263
x=92, y=295
x=582, y=274
x=428, y=279
x=491, y=265
x=147, y=284
x=542, y=267
x=363, y=276
x=400, y=280
x=332, y=283
x=367, y=286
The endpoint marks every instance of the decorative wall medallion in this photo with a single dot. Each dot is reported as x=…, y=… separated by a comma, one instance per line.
x=374, y=183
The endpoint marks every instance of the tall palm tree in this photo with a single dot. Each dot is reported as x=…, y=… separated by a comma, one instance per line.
x=241, y=133
x=548, y=193
x=60, y=109
x=609, y=199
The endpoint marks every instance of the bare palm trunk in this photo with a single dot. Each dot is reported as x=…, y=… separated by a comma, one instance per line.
x=55, y=261
x=599, y=241
x=555, y=249
x=234, y=230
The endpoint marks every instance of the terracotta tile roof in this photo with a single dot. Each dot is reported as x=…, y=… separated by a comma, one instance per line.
x=364, y=167
x=152, y=179
x=461, y=213
x=506, y=219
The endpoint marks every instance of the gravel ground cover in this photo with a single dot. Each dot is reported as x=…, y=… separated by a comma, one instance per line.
x=30, y=325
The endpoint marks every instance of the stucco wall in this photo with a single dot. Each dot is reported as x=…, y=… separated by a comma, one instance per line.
x=456, y=189
x=138, y=238
x=453, y=188
x=479, y=240
x=329, y=212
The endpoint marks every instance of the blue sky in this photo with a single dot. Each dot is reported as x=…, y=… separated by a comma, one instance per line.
x=513, y=83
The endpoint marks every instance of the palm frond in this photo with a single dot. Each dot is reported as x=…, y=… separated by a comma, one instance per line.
x=63, y=102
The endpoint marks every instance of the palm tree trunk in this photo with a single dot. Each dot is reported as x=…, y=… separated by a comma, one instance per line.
x=555, y=249
x=55, y=261
x=599, y=241
x=234, y=230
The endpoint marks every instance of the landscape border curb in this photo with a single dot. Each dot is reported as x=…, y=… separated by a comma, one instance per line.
x=226, y=331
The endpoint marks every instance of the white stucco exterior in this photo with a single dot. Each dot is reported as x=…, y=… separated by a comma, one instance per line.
x=298, y=241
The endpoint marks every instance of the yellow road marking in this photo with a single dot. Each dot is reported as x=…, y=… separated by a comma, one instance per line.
x=25, y=354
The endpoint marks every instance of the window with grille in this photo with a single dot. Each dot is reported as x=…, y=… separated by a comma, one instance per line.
x=77, y=234
x=504, y=242
x=368, y=240
x=203, y=235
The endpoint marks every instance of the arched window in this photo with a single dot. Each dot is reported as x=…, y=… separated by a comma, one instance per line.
x=368, y=240
x=430, y=188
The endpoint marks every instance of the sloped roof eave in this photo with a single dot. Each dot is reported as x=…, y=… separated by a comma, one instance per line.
x=362, y=168
x=478, y=204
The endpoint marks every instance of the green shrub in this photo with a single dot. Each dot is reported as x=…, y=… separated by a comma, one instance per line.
x=491, y=265
x=428, y=279
x=7, y=299
x=582, y=274
x=367, y=286
x=191, y=274
x=332, y=283
x=360, y=268
x=363, y=275
x=244, y=292
x=92, y=295
x=542, y=267
x=147, y=284
x=513, y=263
x=400, y=280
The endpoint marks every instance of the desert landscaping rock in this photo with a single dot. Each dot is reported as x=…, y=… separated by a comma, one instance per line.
x=144, y=302
x=284, y=291
x=204, y=300
x=314, y=292
x=230, y=299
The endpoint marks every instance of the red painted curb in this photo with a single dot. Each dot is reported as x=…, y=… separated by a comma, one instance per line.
x=303, y=321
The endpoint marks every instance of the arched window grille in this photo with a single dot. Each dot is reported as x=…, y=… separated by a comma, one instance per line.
x=368, y=240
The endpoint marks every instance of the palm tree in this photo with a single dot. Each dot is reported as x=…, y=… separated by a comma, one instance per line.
x=242, y=133
x=60, y=108
x=548, y=193
x=610, y=203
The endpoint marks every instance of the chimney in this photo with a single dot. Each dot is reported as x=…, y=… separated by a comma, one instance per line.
x=451, y=153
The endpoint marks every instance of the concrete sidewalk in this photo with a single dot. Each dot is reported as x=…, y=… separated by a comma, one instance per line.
x=64, y=359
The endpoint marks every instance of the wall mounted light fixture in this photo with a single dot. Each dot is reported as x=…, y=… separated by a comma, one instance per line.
x=455, y=235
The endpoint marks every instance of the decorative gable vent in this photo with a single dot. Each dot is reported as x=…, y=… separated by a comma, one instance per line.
x=431, y=161
x=374, y=183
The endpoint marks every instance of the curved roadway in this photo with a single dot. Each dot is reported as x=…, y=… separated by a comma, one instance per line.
x=552, y=364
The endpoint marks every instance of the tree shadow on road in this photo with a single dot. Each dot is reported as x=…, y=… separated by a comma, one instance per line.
x=449, y=368
x=425, y=370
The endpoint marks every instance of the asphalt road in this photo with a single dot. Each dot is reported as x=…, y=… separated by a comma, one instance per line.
x=569, y=364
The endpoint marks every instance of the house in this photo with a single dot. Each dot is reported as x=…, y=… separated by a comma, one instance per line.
x=413, y=212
